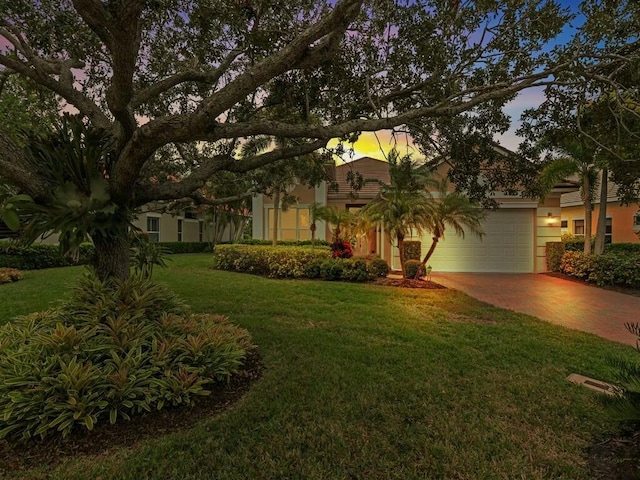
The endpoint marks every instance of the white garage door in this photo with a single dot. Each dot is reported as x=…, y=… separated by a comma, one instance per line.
x=507, y=246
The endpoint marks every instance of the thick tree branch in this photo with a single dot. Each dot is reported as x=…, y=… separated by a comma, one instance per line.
x=155, y=134
x=40, y=71
x=210, y=77
x=185, y=188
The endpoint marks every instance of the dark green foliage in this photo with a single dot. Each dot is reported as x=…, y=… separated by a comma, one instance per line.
x=114, y=350
x=555, y=251
x=622, y=248
x=628, y=378
x=379, y=267
x=617, y=268
x=145, y=255
x=355, y=270
x=331, y=269
x=412, y=250
x=412, y=268
x=575, y=245
x=38, y=256
x=185, y=247
x=577, y=264
x=312, y=268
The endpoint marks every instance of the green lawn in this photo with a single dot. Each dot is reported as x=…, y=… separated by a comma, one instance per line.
x=368, y=382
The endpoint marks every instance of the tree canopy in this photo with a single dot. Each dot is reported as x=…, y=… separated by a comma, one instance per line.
x=165, y=77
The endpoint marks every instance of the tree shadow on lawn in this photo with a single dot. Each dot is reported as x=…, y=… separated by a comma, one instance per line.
x=51, y=451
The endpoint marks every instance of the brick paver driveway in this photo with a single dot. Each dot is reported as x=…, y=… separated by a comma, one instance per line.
x=556, y=300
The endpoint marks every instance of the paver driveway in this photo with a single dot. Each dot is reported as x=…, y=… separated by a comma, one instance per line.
x=556, y=300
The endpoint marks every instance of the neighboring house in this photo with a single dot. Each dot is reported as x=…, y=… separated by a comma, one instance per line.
x=188, y=226
x=623, y=221
x=515, y=234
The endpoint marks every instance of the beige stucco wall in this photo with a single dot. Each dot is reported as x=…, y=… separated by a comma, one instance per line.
x=547, y=229
x=621, y=220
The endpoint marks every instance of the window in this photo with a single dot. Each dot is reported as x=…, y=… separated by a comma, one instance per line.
x=292, y=225
x=153, y=229
x=636, y=220
x=201, y=231
x=578, y=227
x=564, y=224
x=180, y=230
x=190, y=215
x=608, y=232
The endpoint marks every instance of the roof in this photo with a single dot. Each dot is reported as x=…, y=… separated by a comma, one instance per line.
x=370, y=169
x=573, y=199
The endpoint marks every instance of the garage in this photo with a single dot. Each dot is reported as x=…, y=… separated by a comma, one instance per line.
x=507, y=246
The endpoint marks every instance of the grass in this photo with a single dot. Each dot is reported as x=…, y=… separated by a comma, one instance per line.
x=368, y=382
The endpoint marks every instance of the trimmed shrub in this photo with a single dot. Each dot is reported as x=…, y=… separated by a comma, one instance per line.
x=621, y=269
x=379, y=267
x=40, y=255
x=114, y=350
x=555, y=251
x=355, y=270
x=411, y=268
x=283, y=243
x=577, y=264
x=633, y=248
x=313, y=268
x=185, y=247
x=412, y=250
x=331, y=269
x=8, y=275
x=278, y=262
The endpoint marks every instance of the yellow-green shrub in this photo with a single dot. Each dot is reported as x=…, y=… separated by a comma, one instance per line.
x=278, y=262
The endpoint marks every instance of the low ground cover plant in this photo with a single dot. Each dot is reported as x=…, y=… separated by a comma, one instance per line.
x=114, y=350
x=8, y=275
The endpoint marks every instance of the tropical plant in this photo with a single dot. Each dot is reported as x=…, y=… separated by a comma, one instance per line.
x=573, y=156
x=403, y=206
x=454, y=210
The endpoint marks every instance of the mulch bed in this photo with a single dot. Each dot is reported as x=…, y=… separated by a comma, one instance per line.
x=48, y=452
x=409, y=283
x=616, y=457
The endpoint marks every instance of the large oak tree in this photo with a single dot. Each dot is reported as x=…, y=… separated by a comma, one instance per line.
x=172, y=75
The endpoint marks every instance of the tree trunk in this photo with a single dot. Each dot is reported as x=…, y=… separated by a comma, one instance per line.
x=588, y=209
x=313, y=228
x=401, y=253
x=432, y=249
x=276, y=209
x=601, y=229
x=112, y=257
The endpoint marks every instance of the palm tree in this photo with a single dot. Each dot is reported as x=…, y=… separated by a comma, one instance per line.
x=451, y=209
x=316, y=212
x=575, y=158
x=400, y=213
x=340, y=220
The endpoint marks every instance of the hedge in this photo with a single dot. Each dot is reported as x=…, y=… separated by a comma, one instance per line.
x=278, y=262
x=38, y=256
x=617, y=269
x=622, y=248
x=296, y=262
x=555, y=251
x=282, y=243
x=186, y=247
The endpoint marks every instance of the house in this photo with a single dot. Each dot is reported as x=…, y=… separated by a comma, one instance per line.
x=186, y=226
x=515, y=234
x=623, y=221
